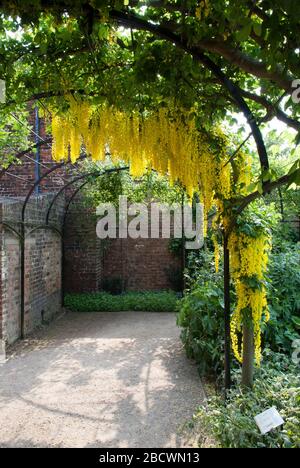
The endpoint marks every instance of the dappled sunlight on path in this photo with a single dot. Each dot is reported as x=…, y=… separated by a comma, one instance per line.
x=99, y=380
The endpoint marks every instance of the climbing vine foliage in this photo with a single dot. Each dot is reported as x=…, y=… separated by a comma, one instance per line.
x=172, y=142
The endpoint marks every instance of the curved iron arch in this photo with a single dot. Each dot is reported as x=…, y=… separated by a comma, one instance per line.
x=22, y=235
x=44, y=176
x=69, y=202
x=12, y=230
x=76, y=179
x=23, y=154
x=65, y=187
x=43, y=226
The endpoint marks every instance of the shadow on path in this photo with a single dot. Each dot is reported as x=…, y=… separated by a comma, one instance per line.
x=99, y=380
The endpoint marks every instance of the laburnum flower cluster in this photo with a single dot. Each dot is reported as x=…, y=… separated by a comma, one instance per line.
x=249, y=262
x=170, y=141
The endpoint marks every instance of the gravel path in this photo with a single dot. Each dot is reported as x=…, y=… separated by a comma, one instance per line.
x=99, y=380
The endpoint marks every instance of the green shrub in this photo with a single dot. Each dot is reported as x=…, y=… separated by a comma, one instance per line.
x=200, y=269
x=201, y=311
x=232, y=424
x=201, y=315
x=164, y=301
x=284, y=300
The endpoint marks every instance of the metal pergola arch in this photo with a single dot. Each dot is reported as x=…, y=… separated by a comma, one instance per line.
x=76, y=179
x=24, y=153
x=88, y=175
x=22, y=235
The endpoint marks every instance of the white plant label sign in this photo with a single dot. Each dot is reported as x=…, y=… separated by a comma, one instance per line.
x=269, y=420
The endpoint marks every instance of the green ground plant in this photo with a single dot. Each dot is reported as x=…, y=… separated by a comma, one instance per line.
x=231, y=424
x=284, y=299
x=201, y=311
x=163, y=301
x=201, y=314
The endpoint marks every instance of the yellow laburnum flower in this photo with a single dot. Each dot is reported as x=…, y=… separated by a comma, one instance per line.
x=169, y=142
x=249, y=260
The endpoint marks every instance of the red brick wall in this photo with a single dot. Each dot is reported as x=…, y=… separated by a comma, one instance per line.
x=16, y=187
x=43, y=278
x=82, y=251
x=143, y=264
x=11, y=280
x=42, y=267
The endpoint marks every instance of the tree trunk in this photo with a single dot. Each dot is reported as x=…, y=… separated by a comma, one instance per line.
x=248, y=357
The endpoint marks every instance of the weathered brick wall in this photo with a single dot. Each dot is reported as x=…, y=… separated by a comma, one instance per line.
x=83, y=251
x=42, y=267
x=11, y=282
x=23, y=175
x=43, y=278
x=141, y=264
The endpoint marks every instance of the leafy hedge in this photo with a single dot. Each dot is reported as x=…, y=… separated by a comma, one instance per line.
x=284, y=299
x=201, y=315
x=277, y=383
x=232, y=425
x=164, y=301
x=201, y=311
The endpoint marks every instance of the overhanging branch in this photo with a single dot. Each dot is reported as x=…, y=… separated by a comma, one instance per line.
x=234, y=55
x=133, y=21
x=272, y=109
x=268, y=187
x=254, y=67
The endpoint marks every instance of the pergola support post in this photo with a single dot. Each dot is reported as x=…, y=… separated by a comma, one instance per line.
x=227, y=313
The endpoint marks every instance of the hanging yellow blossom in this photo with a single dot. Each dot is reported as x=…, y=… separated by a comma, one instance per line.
x=202, y=8
x=249, y=261
x=170, y=142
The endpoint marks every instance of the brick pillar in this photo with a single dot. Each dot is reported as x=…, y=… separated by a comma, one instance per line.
x=83, y=251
